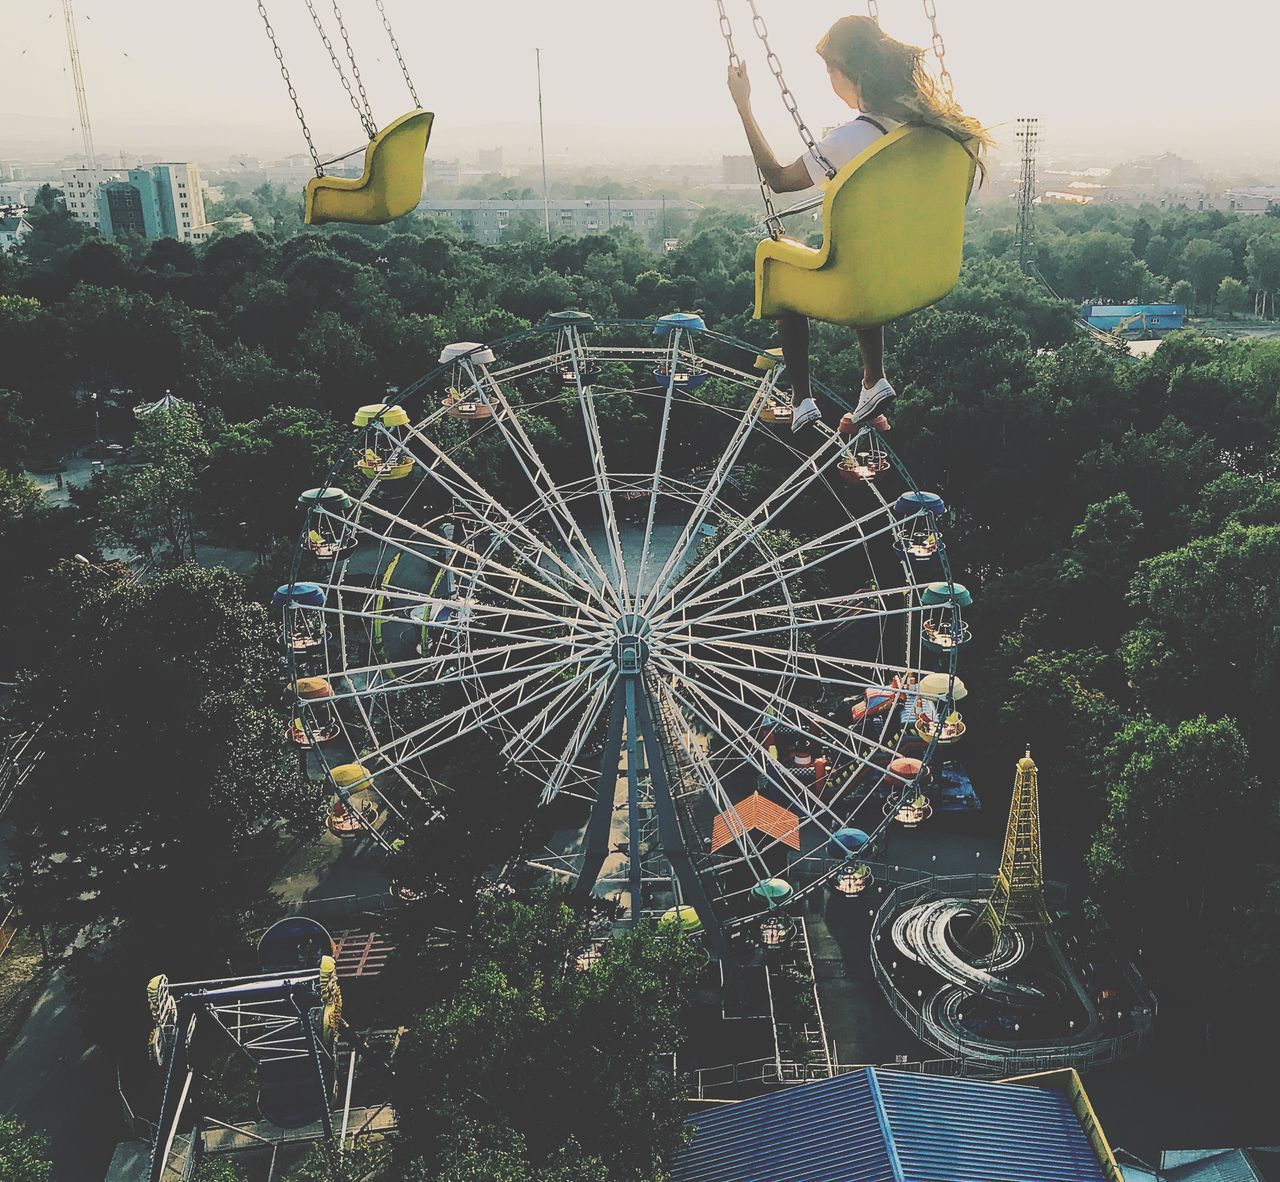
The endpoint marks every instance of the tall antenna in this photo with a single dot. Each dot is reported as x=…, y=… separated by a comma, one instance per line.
x=73, y=48
x=542, y=135
x=1028, y=132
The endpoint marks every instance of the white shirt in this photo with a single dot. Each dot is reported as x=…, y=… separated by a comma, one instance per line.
x=841, y=144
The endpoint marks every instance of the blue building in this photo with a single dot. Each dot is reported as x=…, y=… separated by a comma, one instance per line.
x=1134, y=317
x=876, y=1125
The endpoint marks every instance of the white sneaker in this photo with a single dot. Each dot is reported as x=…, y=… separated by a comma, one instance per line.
x=807, y=412
x=873, y=401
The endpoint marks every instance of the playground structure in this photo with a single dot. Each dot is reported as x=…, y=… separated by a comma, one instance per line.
x=657, y=652
x=285, y=1018
x=980, y=967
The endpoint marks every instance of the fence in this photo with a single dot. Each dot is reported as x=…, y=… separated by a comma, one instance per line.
x=707, y=1083
x=338, y=906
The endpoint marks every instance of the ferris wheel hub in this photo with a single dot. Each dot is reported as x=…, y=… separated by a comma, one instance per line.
x=631, y=646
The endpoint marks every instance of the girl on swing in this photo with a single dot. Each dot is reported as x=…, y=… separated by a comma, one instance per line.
x=886, y=83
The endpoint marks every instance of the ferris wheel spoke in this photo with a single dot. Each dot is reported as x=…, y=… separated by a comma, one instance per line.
x=399, y=602
x=565, y=764
x=483, y=560
x=566, y=525
x=424, y=677
x=600, y=471
x=832, y=733
x=700, y=704
x=473, y=608
x=519, y=580
x=460, y=486
x=710, y=783
x=816, y=604
x=827, y=668
x=468, y=611
x=746, y=528
x=715, y=484
x=672, y=362
x=792, y=564
x=474, y=715
x=554, y=713
x=424, y=665
x=753, y=627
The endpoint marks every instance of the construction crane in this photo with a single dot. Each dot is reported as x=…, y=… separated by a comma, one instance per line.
x=1120, y=329
x=73, y=48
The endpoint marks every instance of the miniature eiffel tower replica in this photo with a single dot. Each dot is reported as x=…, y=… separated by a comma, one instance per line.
x=1017, y=895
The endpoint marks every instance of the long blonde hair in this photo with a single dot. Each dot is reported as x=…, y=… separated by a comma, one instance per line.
x=892, y=79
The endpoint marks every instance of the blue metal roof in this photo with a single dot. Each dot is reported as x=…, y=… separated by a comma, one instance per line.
x=885, y=1126
x=1225, y=1165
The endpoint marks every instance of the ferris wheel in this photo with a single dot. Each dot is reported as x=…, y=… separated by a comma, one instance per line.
x=726, y=652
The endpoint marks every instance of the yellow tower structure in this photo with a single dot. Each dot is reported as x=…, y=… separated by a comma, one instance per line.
x=1017, y=895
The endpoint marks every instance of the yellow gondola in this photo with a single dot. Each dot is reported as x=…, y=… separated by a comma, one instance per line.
x=380, y=454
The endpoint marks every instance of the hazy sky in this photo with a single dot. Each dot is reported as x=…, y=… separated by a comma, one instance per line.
x=623, y=77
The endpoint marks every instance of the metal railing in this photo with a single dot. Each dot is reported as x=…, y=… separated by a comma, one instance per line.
x=975, y=1055
x=706, y=1082
x=334, y=906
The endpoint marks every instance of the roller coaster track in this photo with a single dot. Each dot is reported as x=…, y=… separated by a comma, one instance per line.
x=921, y=934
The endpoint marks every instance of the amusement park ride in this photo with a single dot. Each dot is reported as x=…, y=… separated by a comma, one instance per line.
x=734, y=697
x=636, y=641
x=671, y=662
x=285, y=1018
x=991, y=978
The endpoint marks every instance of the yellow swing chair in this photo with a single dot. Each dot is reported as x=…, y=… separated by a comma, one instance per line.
x=892, y=235
x=892, y=222
x=389, y=187
x=390, y=184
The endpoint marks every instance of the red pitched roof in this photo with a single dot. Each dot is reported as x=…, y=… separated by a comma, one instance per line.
x=756, y=812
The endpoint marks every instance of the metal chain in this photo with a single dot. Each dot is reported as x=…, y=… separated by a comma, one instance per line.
x=788, y=99
x=772, y=222
x=293, y=94
x=342, y=74
x=726, y=31
x=370, y=125
x=873, y=10
x=940, y=50
x=386, y=24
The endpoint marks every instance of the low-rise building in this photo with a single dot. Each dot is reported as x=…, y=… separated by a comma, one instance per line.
x=1203, y=1165
x=444, y=172
x=487, y=220
x=738, y=170
x=14, y=226
x=155, y=201
x=884, y=1124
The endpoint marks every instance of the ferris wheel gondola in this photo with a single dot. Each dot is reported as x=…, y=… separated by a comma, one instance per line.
x=650, y=636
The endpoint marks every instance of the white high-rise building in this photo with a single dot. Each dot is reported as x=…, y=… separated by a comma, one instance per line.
x=155, y=201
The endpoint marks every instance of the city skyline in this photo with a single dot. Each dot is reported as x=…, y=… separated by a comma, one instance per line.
x=609, y=106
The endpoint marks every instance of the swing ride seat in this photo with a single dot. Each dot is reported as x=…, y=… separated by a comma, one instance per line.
x=391, y=185
x=893, y=235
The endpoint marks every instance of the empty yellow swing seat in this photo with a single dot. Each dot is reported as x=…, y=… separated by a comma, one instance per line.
x=392, y=182
x=893, y=235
